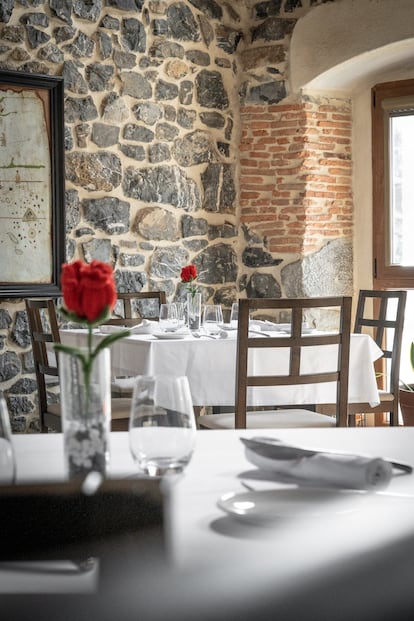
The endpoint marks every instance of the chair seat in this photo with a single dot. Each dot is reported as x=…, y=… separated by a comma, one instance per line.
x=269, y=419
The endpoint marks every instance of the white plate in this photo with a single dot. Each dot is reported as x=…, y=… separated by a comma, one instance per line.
x=271, y=505
x=171, y=335
x=227, y=326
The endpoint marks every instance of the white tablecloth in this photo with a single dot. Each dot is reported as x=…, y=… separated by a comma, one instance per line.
x=210, y=366
x=226, y=567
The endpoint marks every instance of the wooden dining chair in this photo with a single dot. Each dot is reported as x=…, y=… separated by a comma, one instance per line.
x=294, y=346
x=132, y=307
x=44, y=331
x=381, y=314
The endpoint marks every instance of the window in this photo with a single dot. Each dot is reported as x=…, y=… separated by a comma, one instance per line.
x=393, y=184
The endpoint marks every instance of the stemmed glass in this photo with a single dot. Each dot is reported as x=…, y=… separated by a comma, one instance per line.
x=212, y=318
x=162, y=428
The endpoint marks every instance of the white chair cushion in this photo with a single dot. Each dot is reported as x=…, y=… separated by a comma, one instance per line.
x=269, y=419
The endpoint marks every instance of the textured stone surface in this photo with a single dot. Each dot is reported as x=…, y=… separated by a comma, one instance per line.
x=94, y=171
x=162, y=184
x=327, y=272
x=156, y=223
x=167, y=262
x=257, y=257
x=108, y=214
x=195, y=148
x=193, y=226
x=262, y=286
x=216, y=264
x=20, y=331
x=10, y=365
x=210, y=90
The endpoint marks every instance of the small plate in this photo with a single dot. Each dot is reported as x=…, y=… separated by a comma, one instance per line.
x=270, y=505
x=227, y=326
x=170, y=335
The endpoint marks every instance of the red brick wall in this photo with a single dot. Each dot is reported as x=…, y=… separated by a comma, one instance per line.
x=296, y=174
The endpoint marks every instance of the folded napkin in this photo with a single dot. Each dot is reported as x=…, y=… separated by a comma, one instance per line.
x=145, y=327
x=292, y=464
x=269, y=326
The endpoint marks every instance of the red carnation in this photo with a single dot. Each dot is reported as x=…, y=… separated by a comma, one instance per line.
x=88, y=289
x=188, y=273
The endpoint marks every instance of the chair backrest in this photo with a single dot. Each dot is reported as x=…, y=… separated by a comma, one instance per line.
x=131, y=307
x=298, y=339
x=381, y=313
x=44, y=330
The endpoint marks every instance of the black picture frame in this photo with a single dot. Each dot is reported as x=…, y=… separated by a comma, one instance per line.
x=48, y=93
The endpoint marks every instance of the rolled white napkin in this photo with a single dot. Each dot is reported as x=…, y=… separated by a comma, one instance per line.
x=292, y=464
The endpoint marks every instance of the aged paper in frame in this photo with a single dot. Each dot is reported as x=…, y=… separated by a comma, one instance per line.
x=31, y=184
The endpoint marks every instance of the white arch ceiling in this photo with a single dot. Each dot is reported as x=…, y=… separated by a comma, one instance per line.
x=338, y=46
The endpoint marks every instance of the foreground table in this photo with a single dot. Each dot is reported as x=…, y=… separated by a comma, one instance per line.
x=210, y=366
x=225, y=567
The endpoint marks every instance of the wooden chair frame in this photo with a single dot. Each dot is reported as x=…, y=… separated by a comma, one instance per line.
x=295, y=342
x=44, y=329
x=378, y=323
x=127, y=300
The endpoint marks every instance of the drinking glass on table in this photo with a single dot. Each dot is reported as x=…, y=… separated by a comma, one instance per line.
x=162, y=427
x=234, y=315
x=168, y=319
x=212, y=318
x=181, y=308
x=7, y=460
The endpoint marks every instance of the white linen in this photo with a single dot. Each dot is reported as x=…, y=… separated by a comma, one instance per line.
x=210, y=365
x=317, y=468
x=145, y=327
x=210, y=546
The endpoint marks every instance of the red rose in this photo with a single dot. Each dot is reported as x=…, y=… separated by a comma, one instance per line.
x=88, y=288
x=188, y=273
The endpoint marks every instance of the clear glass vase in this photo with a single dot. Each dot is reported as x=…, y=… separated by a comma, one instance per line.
x=194, y=311
x=86, y=414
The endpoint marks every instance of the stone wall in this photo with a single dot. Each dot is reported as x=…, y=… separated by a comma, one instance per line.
x=171, y=109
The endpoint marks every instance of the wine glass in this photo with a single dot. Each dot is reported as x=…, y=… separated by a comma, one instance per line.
x=7, y=460
x=168, y=319
x=212, y=318
x=162, y=428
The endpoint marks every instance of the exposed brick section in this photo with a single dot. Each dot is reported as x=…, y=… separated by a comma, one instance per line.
x=296, y=174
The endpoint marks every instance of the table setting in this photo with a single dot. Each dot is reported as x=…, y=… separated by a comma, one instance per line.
x=227, y=510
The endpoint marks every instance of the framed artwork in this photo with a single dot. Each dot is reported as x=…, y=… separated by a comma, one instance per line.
x=32, y=184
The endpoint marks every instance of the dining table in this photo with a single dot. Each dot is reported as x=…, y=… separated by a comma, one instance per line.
x=210, y=365
x=331, y=553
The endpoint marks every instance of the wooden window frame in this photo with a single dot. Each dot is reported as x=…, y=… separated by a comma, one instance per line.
x=385, y=276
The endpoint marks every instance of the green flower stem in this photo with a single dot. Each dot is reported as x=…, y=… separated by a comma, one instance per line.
x=88, y=359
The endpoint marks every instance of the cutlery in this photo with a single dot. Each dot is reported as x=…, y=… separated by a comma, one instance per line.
x=197, y=335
